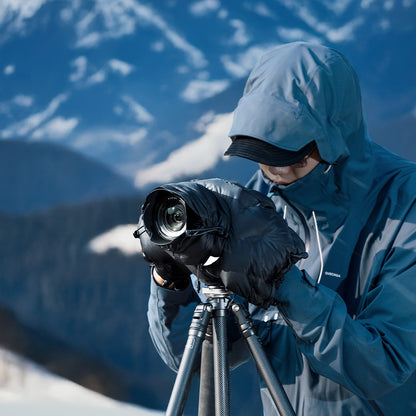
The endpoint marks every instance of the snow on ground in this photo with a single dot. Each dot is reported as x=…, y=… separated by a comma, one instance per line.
x=28, y=389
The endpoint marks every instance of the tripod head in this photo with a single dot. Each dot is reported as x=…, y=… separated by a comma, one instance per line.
x=216, y=292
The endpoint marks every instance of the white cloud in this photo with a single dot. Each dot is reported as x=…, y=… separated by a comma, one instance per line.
x=121, y=67
x=118, y=238
x=24, y=127
x=193, y=158
x=204, y=7
x=198, y=90
x=57, y=128
x=80, y=68
x=140, y=113
x=9, y=70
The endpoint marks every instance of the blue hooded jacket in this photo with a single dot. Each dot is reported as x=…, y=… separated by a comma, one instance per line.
x=344, y=340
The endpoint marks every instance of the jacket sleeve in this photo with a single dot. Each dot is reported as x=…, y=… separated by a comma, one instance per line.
x=371, y=353
x=169, y=315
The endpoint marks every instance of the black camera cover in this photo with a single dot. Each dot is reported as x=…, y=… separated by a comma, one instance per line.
x=240, y=227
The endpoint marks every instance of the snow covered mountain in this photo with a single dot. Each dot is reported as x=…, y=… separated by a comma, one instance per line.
x=148, y=87
x=27, y=388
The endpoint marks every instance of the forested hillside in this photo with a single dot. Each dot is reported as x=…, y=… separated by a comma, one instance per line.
x=36, y=176
x=94, y=304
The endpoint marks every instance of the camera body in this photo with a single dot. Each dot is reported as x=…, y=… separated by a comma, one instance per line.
x=199, y=221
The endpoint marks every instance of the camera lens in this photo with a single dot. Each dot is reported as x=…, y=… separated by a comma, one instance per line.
x=171, y=218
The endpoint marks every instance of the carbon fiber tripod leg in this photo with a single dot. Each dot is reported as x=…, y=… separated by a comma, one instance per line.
x=262, y=362
x=182, y=384
x=221, y=368
x=206, y=406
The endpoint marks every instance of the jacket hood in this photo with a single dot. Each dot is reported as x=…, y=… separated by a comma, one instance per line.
x=300, y=92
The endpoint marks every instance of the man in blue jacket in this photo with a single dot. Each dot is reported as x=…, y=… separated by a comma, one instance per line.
x=343, y=336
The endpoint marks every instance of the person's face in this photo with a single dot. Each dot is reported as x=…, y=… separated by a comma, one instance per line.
x=285, y=175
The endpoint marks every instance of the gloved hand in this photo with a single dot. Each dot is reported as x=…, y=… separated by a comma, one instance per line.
x=257, y=256
x=165, y=265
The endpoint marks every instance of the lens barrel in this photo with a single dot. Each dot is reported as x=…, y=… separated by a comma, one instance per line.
x=171, y=218
x=165, y=216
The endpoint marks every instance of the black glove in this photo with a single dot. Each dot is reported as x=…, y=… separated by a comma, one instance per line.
x=165, y=265
x=257, y=255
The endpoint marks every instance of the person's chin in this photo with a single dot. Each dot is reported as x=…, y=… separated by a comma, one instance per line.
x=282, y=181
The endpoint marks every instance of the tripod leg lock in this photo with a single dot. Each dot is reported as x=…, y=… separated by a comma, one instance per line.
x=244, y=320
x=200, y=321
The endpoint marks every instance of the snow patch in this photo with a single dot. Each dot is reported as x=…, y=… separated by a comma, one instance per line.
x=27, y=125
x=80, y=68
x=193, y=158
x=118, y=238
x=139, y=112
x=57, y=128
x=89, y=138
x=343, y=33
x=15, y=13
x=98, y=77
x=9, y=70
x=240, y=65
x=198, y=90
x=240, y=37
x=23, y=100
x=295, y=34
x=337, y=6
x=204, y=7
x=121, y=67
x=105, y=22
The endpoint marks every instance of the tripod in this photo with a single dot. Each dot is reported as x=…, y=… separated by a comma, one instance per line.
x=214, y=312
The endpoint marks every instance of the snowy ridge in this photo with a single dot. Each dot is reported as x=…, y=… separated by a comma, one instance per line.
x=122, y=80
x=192, y=158
x=28, y=389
